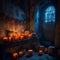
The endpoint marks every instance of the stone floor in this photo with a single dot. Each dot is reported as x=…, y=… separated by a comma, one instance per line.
x=35, y=56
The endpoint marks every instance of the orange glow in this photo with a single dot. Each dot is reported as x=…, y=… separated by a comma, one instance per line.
x=30, y=51
x=15, y=55
x=14, y=34
x=40, y=51
x=30, y=35
x=16, y=38
x=18, y=34
x=10, y=34
x=21, y=37
x=26, y=33
x=5, y=38
x=9, y=38
x=20, y=53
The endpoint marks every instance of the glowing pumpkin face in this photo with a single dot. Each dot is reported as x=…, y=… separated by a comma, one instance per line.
x=5, y=38
x=30, y=51
x=11, y=35
x=18, y=34
x=9, y=38
x=21, y=53
x=21, y=37
x=15, y=55
x=40, y=52
x=26, y=33
x=29, y=35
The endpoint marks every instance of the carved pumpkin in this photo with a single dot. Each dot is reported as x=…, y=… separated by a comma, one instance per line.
x=21, y=53
x=9, y=39
x=26, y=33
x=40, y=52
x=29, y=35
x=30, y=51
x=15, y=55
x=5, y=38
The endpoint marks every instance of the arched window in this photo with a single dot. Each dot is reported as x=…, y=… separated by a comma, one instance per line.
x=50, y=14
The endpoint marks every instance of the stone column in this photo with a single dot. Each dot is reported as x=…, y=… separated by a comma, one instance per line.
x=57, y=31
x=32, y=15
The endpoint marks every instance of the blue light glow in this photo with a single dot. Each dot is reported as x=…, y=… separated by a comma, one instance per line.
x=36, y=18
x=50, y=14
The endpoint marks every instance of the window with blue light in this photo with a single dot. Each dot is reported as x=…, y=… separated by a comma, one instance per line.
x=50, y=14
x=36, y=18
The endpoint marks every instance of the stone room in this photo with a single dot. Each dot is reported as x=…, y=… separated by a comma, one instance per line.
x=29, y=29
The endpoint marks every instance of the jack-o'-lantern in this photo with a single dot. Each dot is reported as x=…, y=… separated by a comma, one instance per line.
x=15, y=55
x=30, y=51
x=21, y=37
x=16, y=37
x=29, y=35
x=21, y=53
x=18, y=34
x=10, y=39
x=11, y=35
x=40, y=52
x=26, y=33
x=14, y=34
x=5, y=38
